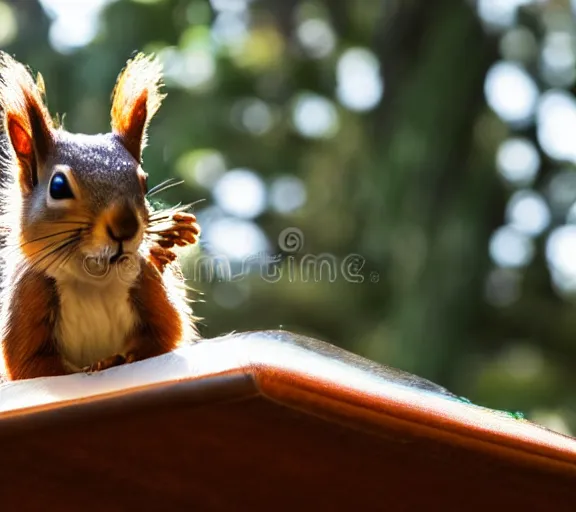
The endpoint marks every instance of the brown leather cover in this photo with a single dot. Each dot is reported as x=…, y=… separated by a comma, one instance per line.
x=269, y=421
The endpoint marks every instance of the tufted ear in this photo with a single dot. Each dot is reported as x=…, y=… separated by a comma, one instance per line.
x=135, y=100
x=26, y=120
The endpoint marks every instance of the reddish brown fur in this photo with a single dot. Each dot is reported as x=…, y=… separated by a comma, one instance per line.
x=135, y=100
x=21, y=140
x=164, y=327
x=30, y=299
x=29, y=349
x=27, y=120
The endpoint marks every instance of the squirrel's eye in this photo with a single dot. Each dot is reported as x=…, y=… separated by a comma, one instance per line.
x=60, y=188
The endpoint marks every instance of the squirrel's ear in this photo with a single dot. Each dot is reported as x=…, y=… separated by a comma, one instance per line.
x=26, y=120
x=135, y=100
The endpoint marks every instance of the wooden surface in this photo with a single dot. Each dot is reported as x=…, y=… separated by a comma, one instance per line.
x=269, y=421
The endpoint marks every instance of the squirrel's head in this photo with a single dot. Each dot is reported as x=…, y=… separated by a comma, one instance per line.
x=76, y=198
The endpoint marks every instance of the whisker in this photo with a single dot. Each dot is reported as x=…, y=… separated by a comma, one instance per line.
x=48, y=246
x=159, y=227
x=164, y=186
x=10, y=249
x=77, y=222
x=164, y=212
x=43, y=249
x=167, y=212
x=63, y=255
x=50, y=236
x=69, y=257
x=58, y=254
x=159, y=220
x=160, y=185
x=66, y=243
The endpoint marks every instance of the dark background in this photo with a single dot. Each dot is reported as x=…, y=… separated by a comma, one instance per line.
x=433, y=140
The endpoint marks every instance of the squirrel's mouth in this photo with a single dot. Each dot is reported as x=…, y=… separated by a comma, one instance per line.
x=118, y=254
x=125, y=265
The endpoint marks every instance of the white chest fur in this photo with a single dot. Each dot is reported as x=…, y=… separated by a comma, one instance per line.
x=93, y=321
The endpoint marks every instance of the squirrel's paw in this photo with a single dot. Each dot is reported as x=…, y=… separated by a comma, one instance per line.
x=161, y=257
x=182, y=230
x=104, y=364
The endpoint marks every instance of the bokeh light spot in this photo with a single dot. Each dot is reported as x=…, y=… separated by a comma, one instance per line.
x=203, y=166
x=561, y=256
x=252, y=115
x=230, y=30
x=360, y=86
x=241, y=192
x=528, y=212
x=74, y=24
x=561, y=191
x=230, y=5
x=509, y=248
x=316, y=37
x=511, y=92
x=287, y=194
x=499, y=14
x=315, y=116
x=518, y=161
x=558, y=59
x=557, y=124
x=236, y=239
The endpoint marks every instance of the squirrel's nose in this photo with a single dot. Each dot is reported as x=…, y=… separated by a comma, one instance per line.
x=123, y=225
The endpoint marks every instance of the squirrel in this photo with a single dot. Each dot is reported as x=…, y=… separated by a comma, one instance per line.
x=90, y=277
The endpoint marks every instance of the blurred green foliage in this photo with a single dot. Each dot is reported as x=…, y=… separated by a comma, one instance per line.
x=364, y=127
